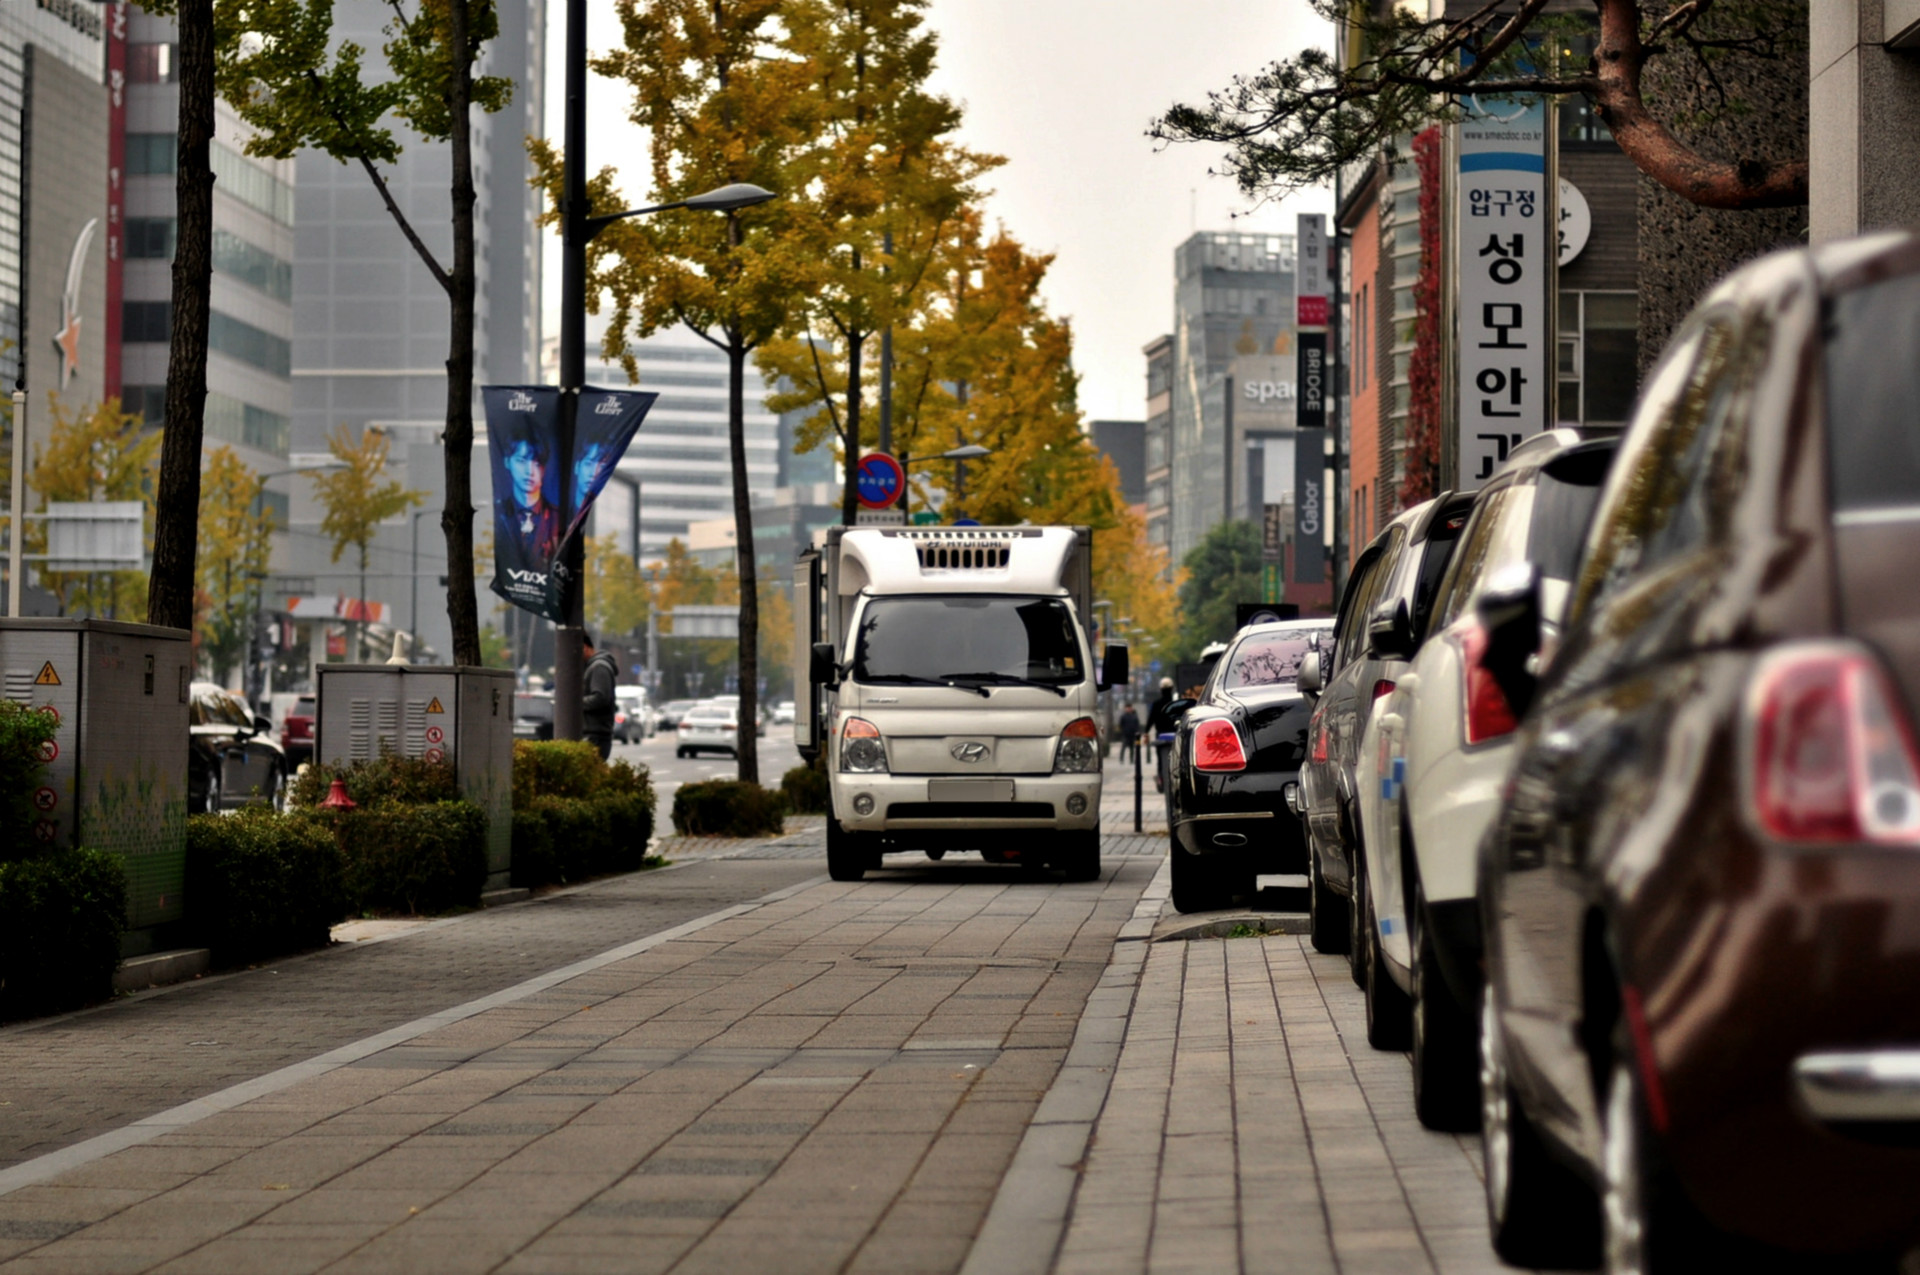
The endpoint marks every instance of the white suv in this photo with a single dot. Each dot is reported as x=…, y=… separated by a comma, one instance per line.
x=1441, y=761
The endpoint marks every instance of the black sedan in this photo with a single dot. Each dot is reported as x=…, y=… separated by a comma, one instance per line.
x=232, y=757
x=1236, y=751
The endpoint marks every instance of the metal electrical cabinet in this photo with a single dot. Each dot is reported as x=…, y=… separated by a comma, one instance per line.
x=459, y=715
x=116, y=772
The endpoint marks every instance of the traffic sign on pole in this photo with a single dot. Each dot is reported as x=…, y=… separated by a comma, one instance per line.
x=880, y=480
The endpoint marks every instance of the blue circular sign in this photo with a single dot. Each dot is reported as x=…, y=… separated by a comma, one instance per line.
x=966, y=522
x=879, y=480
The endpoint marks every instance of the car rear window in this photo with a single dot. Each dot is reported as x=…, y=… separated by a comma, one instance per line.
x=303, y=707
x=1873, y=438
x=1273, y=659
x=1568, y=489
x=532, y=706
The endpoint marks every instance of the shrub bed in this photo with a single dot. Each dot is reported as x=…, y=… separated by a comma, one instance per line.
x=728, y=808
x=23, y=731
x=60, y=920
x=806, y=791
x=575, y=816
x=411, y=780
x=263, y=884
x=411, y=858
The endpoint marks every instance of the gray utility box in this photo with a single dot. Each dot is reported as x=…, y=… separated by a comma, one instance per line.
x=459, y=715
x=116, y=773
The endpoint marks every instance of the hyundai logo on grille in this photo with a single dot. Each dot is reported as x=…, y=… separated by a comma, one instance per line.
x=969, y=751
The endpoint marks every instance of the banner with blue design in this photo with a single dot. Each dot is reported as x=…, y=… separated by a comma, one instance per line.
x=606, y=423
x=523, y=435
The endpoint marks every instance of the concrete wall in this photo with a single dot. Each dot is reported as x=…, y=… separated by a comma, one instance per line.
x=1864, y=70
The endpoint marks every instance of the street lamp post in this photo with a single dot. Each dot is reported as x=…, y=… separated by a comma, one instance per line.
x=577, y=229
x=959, y=456
x=260, y=482
x=413, y=603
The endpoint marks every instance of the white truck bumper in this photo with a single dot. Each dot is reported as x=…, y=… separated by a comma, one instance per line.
x=909, y=803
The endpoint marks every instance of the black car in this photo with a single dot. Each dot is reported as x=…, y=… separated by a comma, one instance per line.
x=533, y=715
x=232, y=756
x=1399, y=571
x=1236, y=750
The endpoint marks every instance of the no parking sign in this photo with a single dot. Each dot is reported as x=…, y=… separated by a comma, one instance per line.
x=879, y=480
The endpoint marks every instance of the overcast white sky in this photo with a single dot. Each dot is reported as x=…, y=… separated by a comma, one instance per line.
x=1065, y=89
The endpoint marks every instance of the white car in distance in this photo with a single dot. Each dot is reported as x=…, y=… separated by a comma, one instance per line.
x=711, y=728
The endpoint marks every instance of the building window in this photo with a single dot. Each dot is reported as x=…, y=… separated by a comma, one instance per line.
x=242, y=341
x=150, y=238
x=151, y=64
x=151, y=154
x=227, y=419
x=255, y=267
x=1599, y=356
x=145, y=320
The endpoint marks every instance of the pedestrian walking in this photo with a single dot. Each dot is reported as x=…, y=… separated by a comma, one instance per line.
x=1160, y=727
x=596, y=706
x=1129, y=733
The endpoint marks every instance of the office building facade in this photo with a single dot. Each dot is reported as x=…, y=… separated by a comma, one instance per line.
x=1233, y=298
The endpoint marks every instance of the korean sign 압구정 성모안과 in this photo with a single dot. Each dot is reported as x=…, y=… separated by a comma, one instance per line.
x=1505, y=275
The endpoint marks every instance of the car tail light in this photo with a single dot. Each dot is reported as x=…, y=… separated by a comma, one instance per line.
x=861, y=748
x=1216, y=746
x=1833, y=757
x=1489, y=716
x=1319, y=738
x=1079, y=750
x=1381, y=689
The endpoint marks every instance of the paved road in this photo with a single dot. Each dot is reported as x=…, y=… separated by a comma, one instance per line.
x=777, y=756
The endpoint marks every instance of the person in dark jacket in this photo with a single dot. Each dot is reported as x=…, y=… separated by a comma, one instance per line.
x=1129, y=734
x=597, y=704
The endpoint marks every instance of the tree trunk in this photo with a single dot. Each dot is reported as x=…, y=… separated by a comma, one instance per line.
x=850, y=492
x=456, y=520
x=748, y=737
x=176, y=514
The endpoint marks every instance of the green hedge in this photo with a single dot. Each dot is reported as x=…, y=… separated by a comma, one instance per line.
x=807, y=791
x=575, y=816
x=60, y=919
x=263, y=884
x=411, y=858
x=411, y=780
x=728, y=808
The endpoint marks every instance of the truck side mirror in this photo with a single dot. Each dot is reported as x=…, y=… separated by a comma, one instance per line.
x=1390, y=633
x=1113, y=666
x=821, y=670
x=1310, y=681
x=1509, y=610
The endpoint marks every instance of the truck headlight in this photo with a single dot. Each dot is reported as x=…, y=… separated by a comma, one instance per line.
x=1079, y=751
x=862, y=751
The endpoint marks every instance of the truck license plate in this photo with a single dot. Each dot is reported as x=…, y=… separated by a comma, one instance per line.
x=970, y=790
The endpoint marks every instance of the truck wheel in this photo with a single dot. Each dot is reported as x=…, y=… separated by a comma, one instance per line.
x=1197, y=883
x=1081, y=859
x=847, y=858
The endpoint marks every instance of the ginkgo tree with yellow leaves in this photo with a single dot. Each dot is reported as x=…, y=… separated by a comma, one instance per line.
x=358, y=497
x=235, y=544
x=95, y=452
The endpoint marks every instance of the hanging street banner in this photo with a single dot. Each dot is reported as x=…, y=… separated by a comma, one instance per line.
x=606, y=423
x=1505, y=276
x=1312, y=286
x=523, y=433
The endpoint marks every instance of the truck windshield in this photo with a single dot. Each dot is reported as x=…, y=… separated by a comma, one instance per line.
x=938, y=639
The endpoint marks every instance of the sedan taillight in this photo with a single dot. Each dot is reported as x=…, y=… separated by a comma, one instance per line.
x=1217, y=747
x=1319, y=737
x=1833, y=756
x=1489, y=715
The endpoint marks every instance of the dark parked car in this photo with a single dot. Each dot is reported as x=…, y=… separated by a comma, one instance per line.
x=1236, y=750
x=533, y=715
x=1701, y=904
x=232, y=756
x=1346, y=680
x=296, y=731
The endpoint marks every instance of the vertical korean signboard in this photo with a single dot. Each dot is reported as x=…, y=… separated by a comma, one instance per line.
x=1505, y=281
x=1312, y=288
x=116, y=186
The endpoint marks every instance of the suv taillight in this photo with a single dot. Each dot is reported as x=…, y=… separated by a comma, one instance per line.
x=1489, y=716
x=1319, y=737
x=1832, y=754
x=1216, y=746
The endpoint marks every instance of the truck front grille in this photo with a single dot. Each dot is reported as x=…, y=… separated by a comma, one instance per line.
x=969, y=810
x=962, y=556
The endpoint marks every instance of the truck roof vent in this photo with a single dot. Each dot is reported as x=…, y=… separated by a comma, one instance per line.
x=962, y=555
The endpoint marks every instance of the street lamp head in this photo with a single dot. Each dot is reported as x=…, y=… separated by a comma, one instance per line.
x=728, y=198
x=972, y=451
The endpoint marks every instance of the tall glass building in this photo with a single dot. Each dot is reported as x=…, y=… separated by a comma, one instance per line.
x=1233, y=298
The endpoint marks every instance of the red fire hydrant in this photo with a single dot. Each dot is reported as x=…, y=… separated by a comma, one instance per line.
x=337, y=799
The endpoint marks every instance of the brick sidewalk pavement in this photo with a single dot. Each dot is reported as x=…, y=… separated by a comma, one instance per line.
x=832, y=1080
x=1221, y=1111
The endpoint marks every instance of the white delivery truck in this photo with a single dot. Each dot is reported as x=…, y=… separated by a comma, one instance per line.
x=946, y=676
